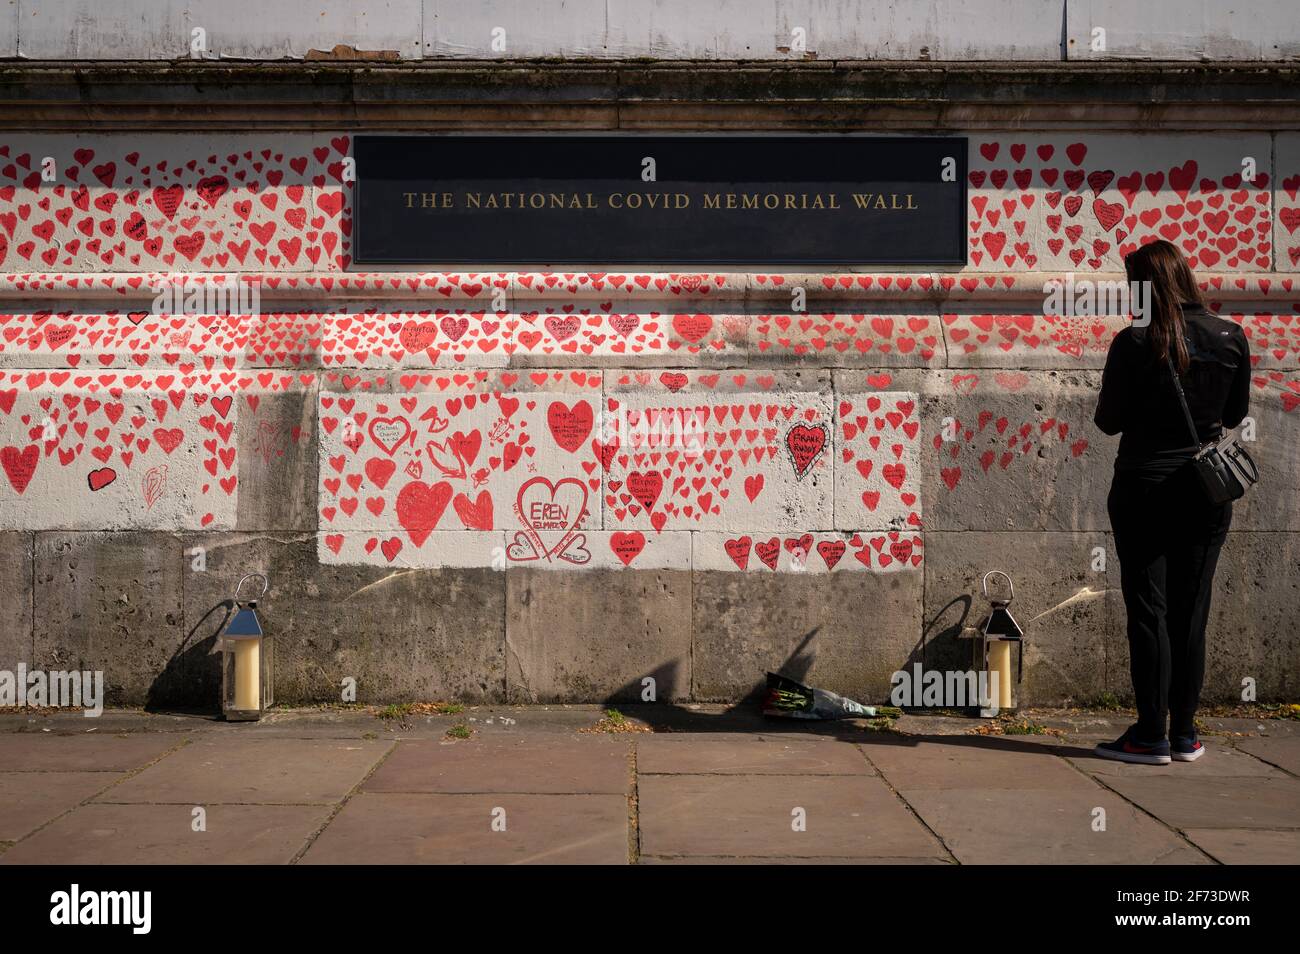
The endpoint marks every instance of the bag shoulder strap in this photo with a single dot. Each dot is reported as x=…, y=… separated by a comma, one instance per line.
x=1182, y=400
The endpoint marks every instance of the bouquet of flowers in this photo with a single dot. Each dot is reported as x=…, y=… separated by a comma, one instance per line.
x=793, y=700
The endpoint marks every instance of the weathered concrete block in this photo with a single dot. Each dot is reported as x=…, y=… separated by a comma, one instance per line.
x=1275, y=503
x=120, y=451
x=846, y=632
x=481, y=452
x=15, y=599
x=593, y=636
x=112, y=602
x=203, y=172
x=720, y=451
x=878, y=465
x=401, y=634
x=1014, y=450
x=1252, y=632
x=277, y=452
x=1071, y=611
x=1084, y=202
x=1286, y=225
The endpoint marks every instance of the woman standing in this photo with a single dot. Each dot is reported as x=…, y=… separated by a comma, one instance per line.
x=1167, y=535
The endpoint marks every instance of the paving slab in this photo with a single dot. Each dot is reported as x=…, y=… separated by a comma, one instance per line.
x=1000, y=826
x=1283, y=752
x=30, y=799
x=254, y=771
x=733, y=754
x=381, y=828
x=752, y=816
x=986, y=762
x=1219, y=760
x=1215, y=802
x=522, y=764
x=725, y=860
x=1268, y=728
x=163, y=834
x=1245, y=846
x=89, y=752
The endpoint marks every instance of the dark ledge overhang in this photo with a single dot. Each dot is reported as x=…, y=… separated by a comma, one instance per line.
x=506, y=95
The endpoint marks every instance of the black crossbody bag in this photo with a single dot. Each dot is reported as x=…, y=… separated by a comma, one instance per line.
x=1223, y=467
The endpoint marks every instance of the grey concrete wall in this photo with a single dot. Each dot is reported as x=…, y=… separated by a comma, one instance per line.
x=951, y=30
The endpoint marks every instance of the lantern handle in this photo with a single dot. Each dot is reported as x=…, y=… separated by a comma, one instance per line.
x=253, y=576
x=1011, y=587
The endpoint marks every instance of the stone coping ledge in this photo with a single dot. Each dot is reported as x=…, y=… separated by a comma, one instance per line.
x=664, y=290
x=699, y=95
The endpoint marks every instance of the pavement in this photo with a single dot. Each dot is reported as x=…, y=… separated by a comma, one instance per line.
x=690, y=784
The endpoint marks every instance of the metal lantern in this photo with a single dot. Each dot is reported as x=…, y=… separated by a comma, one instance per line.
x=991, y=644
x=247, y=657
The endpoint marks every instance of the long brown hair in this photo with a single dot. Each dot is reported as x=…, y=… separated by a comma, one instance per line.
x=1171, y=285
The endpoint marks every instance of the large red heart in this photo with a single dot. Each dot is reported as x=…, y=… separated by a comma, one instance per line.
x=552, y=507
x=805, y=444
x=646, y=487
x=212, y=188
x=738, y=550
x=416, y=336
x=769, y=552
x=475, y=514
x=389, y=432
x=101, y=478
x=379, y=470
x=19, y=466
x=420, y=507
x=570, y=426
x=627, y=546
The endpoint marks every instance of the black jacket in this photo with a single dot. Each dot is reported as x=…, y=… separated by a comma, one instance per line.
x=1138, y=397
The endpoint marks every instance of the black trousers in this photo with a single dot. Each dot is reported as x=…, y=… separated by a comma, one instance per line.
x=1168, y=541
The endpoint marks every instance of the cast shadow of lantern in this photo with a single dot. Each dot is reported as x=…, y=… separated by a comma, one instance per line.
x=940, y=646
x=937, y=648
x=744, y=715
x=191, y=680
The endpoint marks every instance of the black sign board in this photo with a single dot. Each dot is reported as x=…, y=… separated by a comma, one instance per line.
x=657, y=200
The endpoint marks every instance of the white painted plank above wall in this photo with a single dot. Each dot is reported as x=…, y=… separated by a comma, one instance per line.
x=512, y=29
x=942, y=30
x=951, y=30
x=1183, y=29
x=747, y=29
x=8, y=28
x=235, y=29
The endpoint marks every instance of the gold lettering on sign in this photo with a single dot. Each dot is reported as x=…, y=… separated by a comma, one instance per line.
x=430, y=200
x=878, y=200
x=637, y=201
x=530, y=200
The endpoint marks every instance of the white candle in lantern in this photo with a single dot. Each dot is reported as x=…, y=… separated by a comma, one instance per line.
x=1000, y=663
x=248, y=673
